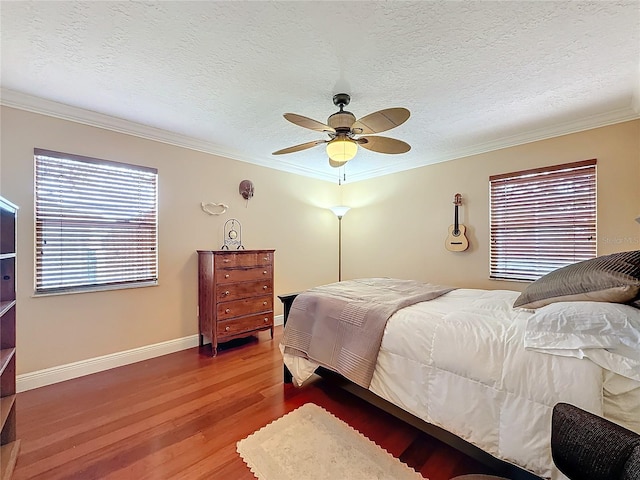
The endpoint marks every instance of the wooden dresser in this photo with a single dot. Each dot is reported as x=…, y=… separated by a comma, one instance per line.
x=235, y=294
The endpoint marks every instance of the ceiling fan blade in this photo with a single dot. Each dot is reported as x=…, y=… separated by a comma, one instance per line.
x=383, y=144
x=309, y=123
x=381, y=121
x=297, y=148
x=335, y=164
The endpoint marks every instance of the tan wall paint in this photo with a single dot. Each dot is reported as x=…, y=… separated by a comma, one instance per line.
x=398, y=223
x=396, y=227
x=288, y=213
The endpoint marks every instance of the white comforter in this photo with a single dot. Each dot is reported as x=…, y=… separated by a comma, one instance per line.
x=458, y=362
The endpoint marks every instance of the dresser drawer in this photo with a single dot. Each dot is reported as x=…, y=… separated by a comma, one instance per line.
x=236, y=291
x=236, y=259
x=239, y=308
x=244, y=324
x=233, y=275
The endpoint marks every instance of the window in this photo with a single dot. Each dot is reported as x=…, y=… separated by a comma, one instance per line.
x=542, y=219
x=96, y=224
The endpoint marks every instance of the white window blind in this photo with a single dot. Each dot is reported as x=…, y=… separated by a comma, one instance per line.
x=96, y=223
x=542, y=219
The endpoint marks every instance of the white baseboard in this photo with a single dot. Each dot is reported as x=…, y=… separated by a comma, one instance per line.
x=49, y=376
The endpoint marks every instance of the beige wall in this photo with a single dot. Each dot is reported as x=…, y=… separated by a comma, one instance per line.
x=397, y=227
x=399, y=222
x=288, y=213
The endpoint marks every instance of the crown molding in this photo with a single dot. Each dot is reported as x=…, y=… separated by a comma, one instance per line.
x=588, y=123
x=22, y=101
x=30, y=103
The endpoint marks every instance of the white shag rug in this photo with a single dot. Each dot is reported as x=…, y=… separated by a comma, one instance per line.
x=312, y=444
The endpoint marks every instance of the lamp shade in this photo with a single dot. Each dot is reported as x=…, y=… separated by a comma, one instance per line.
x=341, y=149
x=340, y=210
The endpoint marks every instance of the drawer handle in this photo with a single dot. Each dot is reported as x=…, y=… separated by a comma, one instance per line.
x=264, y=273
x=226, y=276
x=226, y=293
x=226, y=329
x=226, y=260
x=265, y=287
x=266, y=320
x=264, y=303
x=266, y=258
x=227, y=311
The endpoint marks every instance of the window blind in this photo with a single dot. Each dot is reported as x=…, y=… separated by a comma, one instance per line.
x=96, y=223
x=542, y=219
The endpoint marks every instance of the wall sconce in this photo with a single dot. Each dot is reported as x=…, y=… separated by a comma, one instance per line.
x=638, y=219
x=340, y=211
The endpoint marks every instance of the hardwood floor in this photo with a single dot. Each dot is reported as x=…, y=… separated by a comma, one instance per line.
x=179, y=417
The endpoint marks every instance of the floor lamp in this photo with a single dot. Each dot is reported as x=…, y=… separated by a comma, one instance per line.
x=340, y=211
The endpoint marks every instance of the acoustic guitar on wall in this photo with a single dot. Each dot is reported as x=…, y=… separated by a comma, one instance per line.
x=456, y=240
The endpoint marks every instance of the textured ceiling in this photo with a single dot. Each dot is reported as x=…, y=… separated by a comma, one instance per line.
x=217, y=76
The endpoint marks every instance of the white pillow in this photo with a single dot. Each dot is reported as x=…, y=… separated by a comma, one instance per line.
x=606, y=333
x=571, y=325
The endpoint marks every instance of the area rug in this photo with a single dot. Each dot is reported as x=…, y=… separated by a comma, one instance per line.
x=310, y=443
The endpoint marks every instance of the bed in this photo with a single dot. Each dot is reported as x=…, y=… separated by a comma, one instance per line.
x=469, y=362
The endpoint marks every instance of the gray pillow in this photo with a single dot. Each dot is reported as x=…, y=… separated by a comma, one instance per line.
x=610, y=278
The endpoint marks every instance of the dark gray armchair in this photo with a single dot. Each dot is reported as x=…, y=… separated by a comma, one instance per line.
x=588, y=447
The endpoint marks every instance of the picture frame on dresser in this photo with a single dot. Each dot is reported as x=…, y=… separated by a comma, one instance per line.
x=235, y=295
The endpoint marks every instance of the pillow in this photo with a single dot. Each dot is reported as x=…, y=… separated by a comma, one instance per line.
x=608, y=334
x=580, y=325
x=609, y=278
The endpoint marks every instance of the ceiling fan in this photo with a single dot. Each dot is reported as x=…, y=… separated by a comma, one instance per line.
x=345, y=132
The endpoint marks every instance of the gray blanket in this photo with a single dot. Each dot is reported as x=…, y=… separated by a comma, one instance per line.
x=340, y=325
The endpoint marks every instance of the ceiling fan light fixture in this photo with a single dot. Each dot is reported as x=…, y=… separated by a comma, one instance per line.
x=344, y=130
x=342, y=149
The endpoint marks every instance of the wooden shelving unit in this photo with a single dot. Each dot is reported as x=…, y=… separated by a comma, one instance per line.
x=9, y=444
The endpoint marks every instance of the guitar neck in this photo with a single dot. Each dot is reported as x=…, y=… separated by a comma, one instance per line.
x=456, y=226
